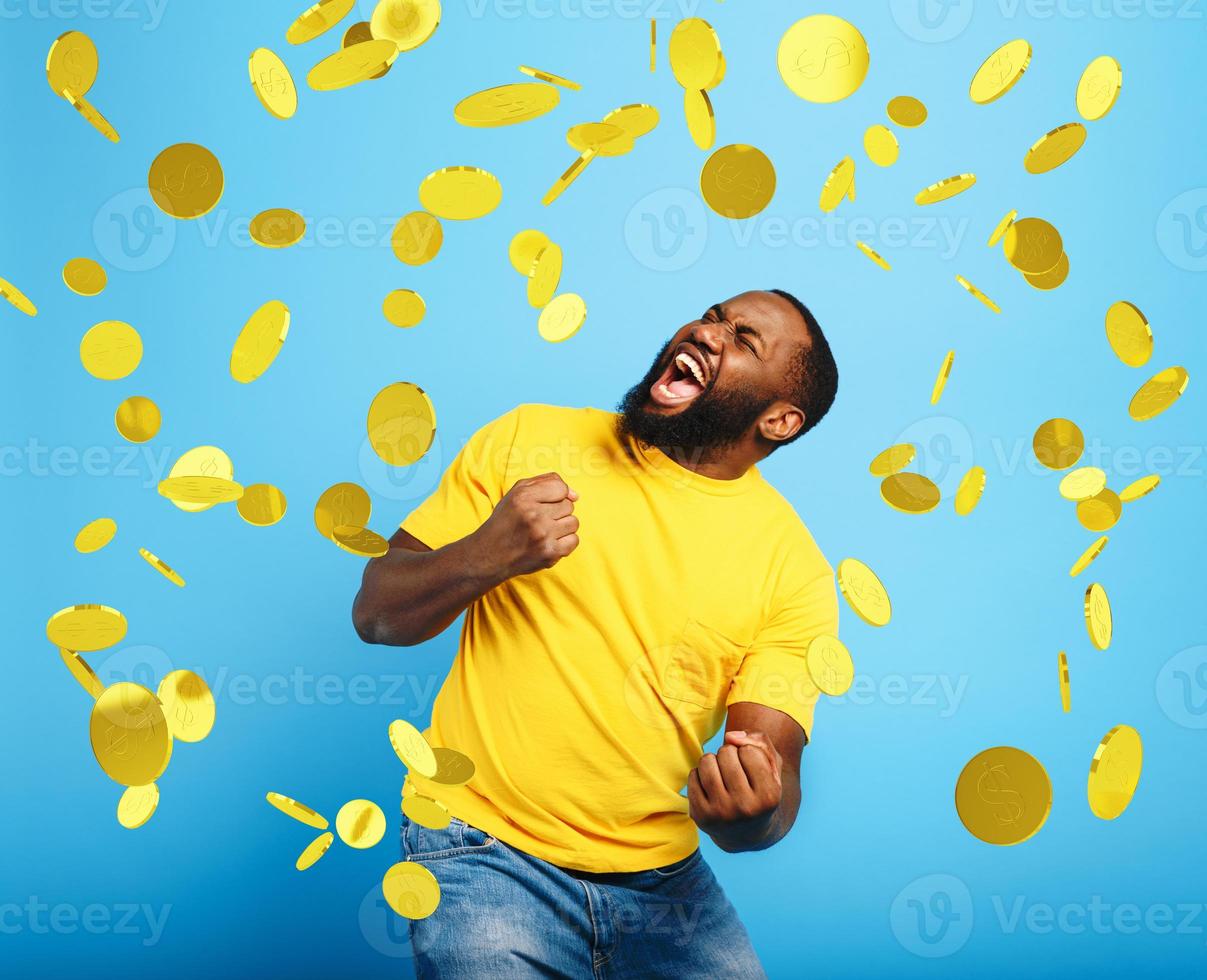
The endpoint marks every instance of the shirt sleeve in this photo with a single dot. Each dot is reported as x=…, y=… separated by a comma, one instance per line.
x=774, y=672
x=469, y=488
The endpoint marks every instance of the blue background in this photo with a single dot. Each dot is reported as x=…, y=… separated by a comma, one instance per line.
x=982, y=604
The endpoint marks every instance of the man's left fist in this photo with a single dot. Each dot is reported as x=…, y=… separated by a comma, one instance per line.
x=733, y=795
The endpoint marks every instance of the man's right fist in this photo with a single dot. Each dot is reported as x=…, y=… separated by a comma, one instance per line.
x=533, y=526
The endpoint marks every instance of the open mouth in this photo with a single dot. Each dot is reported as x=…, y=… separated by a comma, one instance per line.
x=684, y=379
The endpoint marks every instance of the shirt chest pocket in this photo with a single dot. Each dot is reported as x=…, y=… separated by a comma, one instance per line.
x=699, y=666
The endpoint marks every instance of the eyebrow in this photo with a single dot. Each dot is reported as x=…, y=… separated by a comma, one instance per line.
x=716, y=308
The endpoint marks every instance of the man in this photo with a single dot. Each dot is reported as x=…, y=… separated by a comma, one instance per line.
x=628, y=580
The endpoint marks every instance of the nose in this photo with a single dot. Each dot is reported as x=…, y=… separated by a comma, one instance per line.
x=709, y=336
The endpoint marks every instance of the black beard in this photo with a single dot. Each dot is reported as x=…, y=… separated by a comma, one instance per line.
x=715, y=420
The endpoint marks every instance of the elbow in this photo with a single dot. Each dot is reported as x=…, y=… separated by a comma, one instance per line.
x=374, y=628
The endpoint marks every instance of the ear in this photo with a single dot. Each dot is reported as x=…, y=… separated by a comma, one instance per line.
x=781, y=421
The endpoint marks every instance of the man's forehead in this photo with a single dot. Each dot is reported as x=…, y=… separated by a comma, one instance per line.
x=773, y=311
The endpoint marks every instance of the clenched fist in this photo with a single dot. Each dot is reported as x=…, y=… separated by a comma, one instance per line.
x=733, y=795
x=532, y=527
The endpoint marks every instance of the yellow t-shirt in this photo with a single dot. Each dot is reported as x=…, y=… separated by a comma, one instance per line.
x=584, y=692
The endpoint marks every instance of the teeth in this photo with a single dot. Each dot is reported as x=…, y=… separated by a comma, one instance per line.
x=689, y=362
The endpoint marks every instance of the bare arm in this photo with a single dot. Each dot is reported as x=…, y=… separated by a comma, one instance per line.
x=412, y=593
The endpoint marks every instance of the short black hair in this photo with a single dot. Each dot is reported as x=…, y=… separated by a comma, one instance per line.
x=813, y=379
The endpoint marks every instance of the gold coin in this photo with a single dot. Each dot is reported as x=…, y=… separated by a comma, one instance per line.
x=1139, y=488
x=411, y=890
x=426, y=812
x=348, y=66
x=978, y=295
x=200, y=489
x=1062, y=663
x=695, y=53
x=202, y=461
x=137, y=419
x=1003, y=796
x=408, y=23
x=111, y=350
x=907, y=111
x=85, y=676
x=360, y=823
x=17, y=298
x=358, y=33
x=606, y=139
x=1099, y=88
x=417, y=238
x=1083, y=483
x=1032, y=246
x=85, y=277
x=272, y=83
x=837, y=185
x=1115, y=772
x=403, y=308
x=188, y=705
x=277, y=228
x=137, y=805
x=737, y=181
x=1053, y=278
x=1158, y=393
x=941, y=380
x=636, y=120
x=1002, y=227
x=360, y=541
x=505, y=105
x=872, y=254
x=1055, y=148
x=92, y=115
x=1058, y=444
x=261, y=505
x=460, y=193
x=968, y=494
x=823, y=58
x=1098, y=620
x=829, y=664
x=568, y=177
x=910, y=493
x=411, y=748
x=947, y=188
x=864, y=592
x=1000, y=72
x=162, y=567
x=892, y=460
x=545, y=275
x=299, y=811
x=653, y=44
x=94, y=535
x=522, y=251
x=701, y=122
x=1087, y=556
x=1128, y=333
x=548, y=76
x=314, y=850
x=317, y=20
x=185, y=181
x=1100, y=512
x=719, y=77
x=881, y=145
x=86, y=628
x=130, y=737
x=343, y=503
x=453, y=768
x=562, y=317
x=401, y=425
x=72, y=63
x=259, y=342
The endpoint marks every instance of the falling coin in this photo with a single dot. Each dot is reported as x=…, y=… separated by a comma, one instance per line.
x=544, y=276
x=408, y=23
x=1083, y=483
x=1032, y=246
x=829, y=664
x=506, y=105
x=453, y=768
x=562, y=318
x=314, y=850
x=86, y=628
x=1055, y=148
x=403, y=308
x=426, y=812
x=1101, y=511
x=1058, y=444
x=1158, y=394
x=417, y=238
x=412, y=748
x=298, y=811
x=941, y=380
x=881, y=145
x=411, y=890
x=130, y=737
x=910, y=493
x=1087, y=556
x=1000, y=72
x=1099, y=622
x=84, y=277
x=277, y=228
x=945, y=189
x=341, y=504
x=317, y=20
x=1099, y=88
x=95, y=535
x=401, y=425
x=162, y=567
x=872, y=254
x=892, y=460
x=823, y=58
x=1115, y=772
x=1003, y=796
x=978, y=295
x=907, y=111
x=360, y=823
x=188, y=705
x=552, y=79
x=352, y=65
x=137, y=805
x=969, y=492
x=1062, y=663
x=137, y=419
x=1139, y=488
x=360, y=541
x=84, y=675
x=864, y=592
x=460, y=193
x=261, y=505
x=111, y=350
x=185, y=181
x=272, y=83
x=1002, y=227
x=200, y=489
x=737, y=181
x=1128, y=333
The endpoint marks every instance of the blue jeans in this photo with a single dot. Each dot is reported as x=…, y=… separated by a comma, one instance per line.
x=504, y=913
